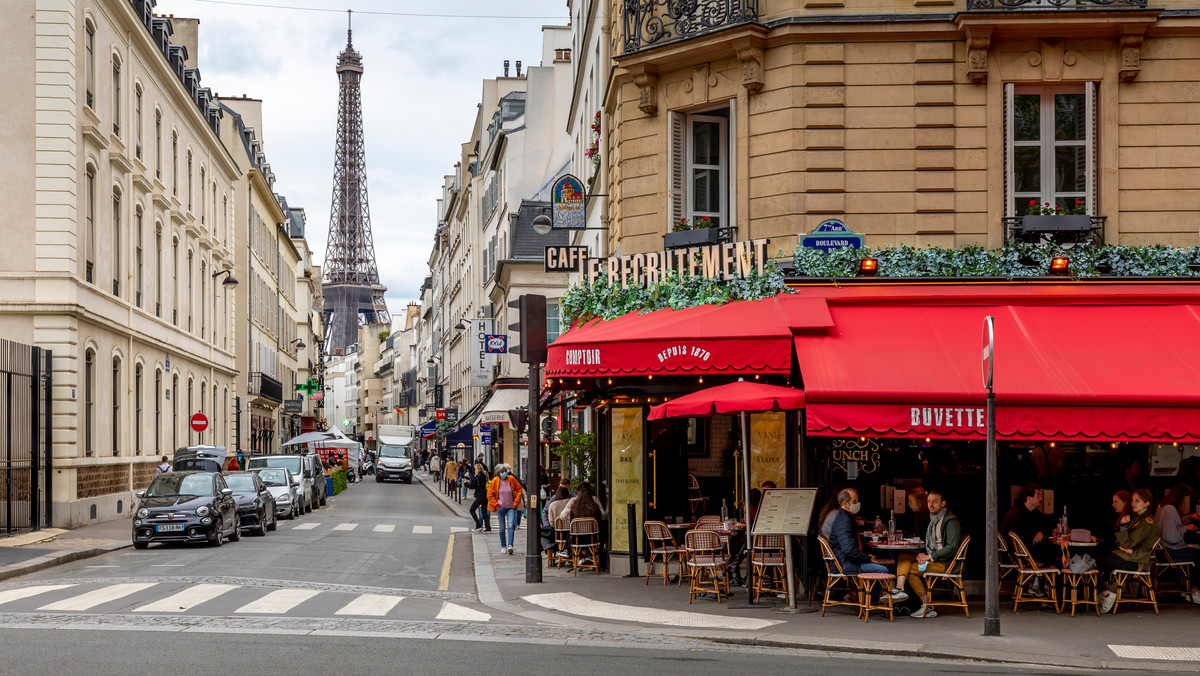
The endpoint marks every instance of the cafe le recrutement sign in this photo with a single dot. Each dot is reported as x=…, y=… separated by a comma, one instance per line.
x=730, y=260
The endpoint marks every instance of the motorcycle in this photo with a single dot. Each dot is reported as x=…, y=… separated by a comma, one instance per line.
x=351, y=477
x=366, y=467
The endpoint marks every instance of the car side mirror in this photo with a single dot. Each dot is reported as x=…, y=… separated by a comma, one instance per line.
x=139, y=494
x=308, y=474
x=226, y=492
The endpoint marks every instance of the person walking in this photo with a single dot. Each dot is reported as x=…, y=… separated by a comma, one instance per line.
x=479, y=508
x=164, y=467
x=434, y=464
x=504, y=498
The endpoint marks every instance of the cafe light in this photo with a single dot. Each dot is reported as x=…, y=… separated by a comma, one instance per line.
x=927, y=440
x=867, y=267
x=1061, y=265
x=650, y=377
x=610, y=381
x=1051, y=444
x=1114, y=445
x=578, y=381
x=701, y=380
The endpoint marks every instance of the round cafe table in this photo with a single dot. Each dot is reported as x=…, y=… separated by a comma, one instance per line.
x=1070, y=543
x=905, y=545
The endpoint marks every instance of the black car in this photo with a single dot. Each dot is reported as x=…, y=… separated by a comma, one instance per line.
x=186, y=507
x=255, y=504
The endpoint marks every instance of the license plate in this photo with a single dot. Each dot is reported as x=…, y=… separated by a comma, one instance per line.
x=168, y=527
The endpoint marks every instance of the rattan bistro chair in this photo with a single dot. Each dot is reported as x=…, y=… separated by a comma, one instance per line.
x=585, y=544
x=1164, y=564
x=1008, y=567
x=560, y=554
x=836, y=580
x=1139, y=579
x=697, y=503
x=663, y=549
x=953, y=577
x=708, y=518
x=1083, y=586
x=707, y=560
x=767, y=558
x=1028, y=571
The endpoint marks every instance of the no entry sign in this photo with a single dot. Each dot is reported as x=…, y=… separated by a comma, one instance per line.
x=199, y=422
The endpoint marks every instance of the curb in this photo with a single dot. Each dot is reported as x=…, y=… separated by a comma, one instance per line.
x=59, y=558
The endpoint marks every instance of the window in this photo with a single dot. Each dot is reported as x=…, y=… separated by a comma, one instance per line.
x=158, y=275
x=702, y=169
x=202, y=188
x=158, y=144
x=137, y=410
x=116, y=94
x=138, y=256
x=89, y=414
x=189, y=180
x=116, y=406
x=89, y=64
x=190, y=293
x=158, y=394
x=137, y=121
x=224, y=213
x=174, y=410
x=175, y=281
x=175, y=163
x=1051, y=153
x=203, y=298
x=116, y=230
x=553, y=321
x=203, y=391
x=89, y=189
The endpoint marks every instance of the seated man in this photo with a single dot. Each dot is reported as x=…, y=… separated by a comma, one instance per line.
x=844, y=540
x=941, y=544
x=1027, y=521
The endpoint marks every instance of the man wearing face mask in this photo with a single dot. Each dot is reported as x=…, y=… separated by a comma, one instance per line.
x=504, y=498
x=844, y=540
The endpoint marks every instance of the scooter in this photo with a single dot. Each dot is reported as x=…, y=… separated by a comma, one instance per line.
x=366, y=467
x=351, y=476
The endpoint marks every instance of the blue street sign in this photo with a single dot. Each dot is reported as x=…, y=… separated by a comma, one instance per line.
x=495, y=343
x=485, y=439
x=832, y=234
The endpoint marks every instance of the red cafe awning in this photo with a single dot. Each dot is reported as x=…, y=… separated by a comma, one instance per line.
x=738, y=337
x=1089, y=371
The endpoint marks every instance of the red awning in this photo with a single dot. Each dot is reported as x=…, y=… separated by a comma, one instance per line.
x=739, y=397
x=1117, y=372
x=738, y=337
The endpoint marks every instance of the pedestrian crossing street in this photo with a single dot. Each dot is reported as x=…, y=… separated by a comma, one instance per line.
x=377, y=528
x=213, y=599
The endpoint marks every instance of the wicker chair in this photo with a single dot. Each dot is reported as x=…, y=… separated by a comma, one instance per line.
x=707, y=560
x=1008, y=566
x=585, y=544
x=953, y=576
x=663, y=549
x=1028, y=571
x=697, y=503
x=1164, y=563
x=770, y=573
x=1141, y=579
x=708, y=518
x=1088, y=582
x=836, y=580
x=560, y=554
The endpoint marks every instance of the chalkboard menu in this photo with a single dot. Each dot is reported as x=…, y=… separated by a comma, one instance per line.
x=785, y=511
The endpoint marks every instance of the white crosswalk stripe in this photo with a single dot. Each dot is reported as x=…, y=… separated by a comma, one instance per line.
x=186, y=599
x=384, y=528
x=372, y=605
x=278, y=602
x=453, y=611
x=96, y=597
x=18, y=594
x=306, y=526
x=458, y=529
x=345, y=526
x=422, y=530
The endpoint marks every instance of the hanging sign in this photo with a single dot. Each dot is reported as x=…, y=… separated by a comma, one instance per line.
x=566, y=201
x=832, y=234
x=728, y=260
x=481, y=359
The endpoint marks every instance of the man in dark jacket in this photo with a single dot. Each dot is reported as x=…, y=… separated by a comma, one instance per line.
x=844, y=539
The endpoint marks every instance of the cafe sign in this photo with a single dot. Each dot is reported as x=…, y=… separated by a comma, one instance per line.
x=567, y=198
x=729, y=260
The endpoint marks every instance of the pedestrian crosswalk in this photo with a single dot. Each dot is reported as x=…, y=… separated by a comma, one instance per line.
x=182, y=597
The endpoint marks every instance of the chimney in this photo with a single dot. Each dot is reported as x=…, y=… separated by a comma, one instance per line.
x=518, y=69
x=506, y=68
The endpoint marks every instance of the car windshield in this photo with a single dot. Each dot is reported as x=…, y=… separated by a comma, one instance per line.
x=273, y=477
x=386, y=451
x=240, y=482
x=291, y=463
x=175, y=485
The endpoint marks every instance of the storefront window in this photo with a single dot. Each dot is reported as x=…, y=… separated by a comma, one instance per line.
x=627, y=462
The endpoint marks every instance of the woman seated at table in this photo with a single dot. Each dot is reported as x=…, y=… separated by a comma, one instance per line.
x=584, y=505
x=556, y=507
x=1135, y=538
x=1172, y=526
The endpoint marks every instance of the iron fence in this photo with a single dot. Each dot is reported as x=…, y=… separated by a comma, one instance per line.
x=1034, y=5
x=649, y=23
x=25, y=458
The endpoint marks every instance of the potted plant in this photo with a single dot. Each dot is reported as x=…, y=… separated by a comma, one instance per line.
x=684, y=234
x=1045, y=218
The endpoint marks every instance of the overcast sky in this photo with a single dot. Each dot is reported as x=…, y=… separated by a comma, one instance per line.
x=421, y=84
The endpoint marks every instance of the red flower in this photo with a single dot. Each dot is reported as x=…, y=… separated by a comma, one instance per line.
x=1033, y=201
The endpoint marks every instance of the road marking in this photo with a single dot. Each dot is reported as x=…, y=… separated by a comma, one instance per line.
x=306, y=526
x=186, y=599
x=457, y=529
x=103, y=566
x=168, y=565
x=18, y=594
x=384, y=528
x=1153, y=652
x=345, y=526
x=98, y=596
x=278, y=602
x=422, y=530
x=453, y=611
x=445, y=582
x=569, y=602
x=374, y=605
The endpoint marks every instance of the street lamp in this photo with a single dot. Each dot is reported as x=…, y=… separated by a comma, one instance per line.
x=228, y=281
x=298, y=344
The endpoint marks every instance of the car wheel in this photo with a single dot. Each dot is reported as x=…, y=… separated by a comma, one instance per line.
x=274, y=521
x=378, y=479
x=307, y=507
x=261, y=531
x=324, y=497
x=295, y=511
x=140, y=545
x=237, y=530
x=218, y=538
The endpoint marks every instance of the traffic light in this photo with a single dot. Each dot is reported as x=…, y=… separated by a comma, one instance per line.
x=530, y=327
x=518, y=417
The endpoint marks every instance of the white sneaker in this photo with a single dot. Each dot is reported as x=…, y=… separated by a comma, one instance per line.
x=899, y=595
x=1194, y=597
x=925, y=612
x=1107, y=601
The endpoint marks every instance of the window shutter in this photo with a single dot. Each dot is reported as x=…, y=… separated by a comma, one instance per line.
x=1089, y=89
x=1009, y=138
x=731, y=148
x=677, y=179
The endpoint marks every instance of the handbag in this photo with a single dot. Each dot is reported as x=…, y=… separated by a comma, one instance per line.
x=1080, y=535
x=1081, y=563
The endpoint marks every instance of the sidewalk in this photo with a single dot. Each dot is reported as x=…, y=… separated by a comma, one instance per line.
x=34, y=551
x=1142, y=640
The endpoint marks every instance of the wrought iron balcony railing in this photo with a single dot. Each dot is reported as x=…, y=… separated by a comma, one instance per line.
x=263, y=385
x=1070, y=5
x=649, y=23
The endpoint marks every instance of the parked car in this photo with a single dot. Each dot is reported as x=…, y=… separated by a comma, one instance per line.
x=320, y=486
x=278, y=480
x=300, y=467
x=256, y=505
x=395, y=462
x=199, y=459
x=186, y=507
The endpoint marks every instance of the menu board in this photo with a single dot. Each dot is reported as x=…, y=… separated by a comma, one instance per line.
x=626, y=473
x=785, y=511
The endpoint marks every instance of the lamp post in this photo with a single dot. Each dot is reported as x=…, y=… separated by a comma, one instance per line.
x=436, y=390
x=991, y=588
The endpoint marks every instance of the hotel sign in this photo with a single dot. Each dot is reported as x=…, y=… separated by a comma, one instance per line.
x=730, y=260
x=567, y=197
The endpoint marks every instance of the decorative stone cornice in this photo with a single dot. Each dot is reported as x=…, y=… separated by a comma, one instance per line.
x=979, y=40
x=1130, y=42
x=645, y=76
x=750, y=53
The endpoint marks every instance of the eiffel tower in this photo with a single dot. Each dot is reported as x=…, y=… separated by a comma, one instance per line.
x=350, y=280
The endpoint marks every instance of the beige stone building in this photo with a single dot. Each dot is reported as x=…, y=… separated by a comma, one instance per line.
x=926, y=122
x=116, y=212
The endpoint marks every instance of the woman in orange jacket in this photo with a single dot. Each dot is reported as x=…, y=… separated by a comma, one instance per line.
x=504, y=498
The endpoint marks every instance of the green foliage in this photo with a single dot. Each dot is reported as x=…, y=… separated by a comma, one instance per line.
x=607, y=300
x=383, y=335
x=1015, y=260
x=580, y=450
x=339, y=480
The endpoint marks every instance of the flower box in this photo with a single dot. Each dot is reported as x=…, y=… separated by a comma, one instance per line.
x=694, y=237
x=1062, y=223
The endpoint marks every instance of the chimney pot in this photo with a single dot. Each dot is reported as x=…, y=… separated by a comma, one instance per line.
x=506, y=68
x=518, y=69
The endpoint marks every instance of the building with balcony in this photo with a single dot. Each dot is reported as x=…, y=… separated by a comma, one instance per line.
x=116, y=213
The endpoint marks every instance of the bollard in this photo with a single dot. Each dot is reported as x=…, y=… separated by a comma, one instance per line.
x=633, y=542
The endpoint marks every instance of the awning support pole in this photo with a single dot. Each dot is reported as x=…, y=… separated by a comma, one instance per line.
x=991, y=589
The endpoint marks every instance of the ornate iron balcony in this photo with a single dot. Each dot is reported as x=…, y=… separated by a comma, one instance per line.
x=1073, y=5
x=263, y=385
x=649, y=23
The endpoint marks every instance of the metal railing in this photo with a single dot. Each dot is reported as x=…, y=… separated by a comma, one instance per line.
x=25, y=438
x=263, y=385
x=650, y=23
x=1058, y=229
x=1072, y=5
